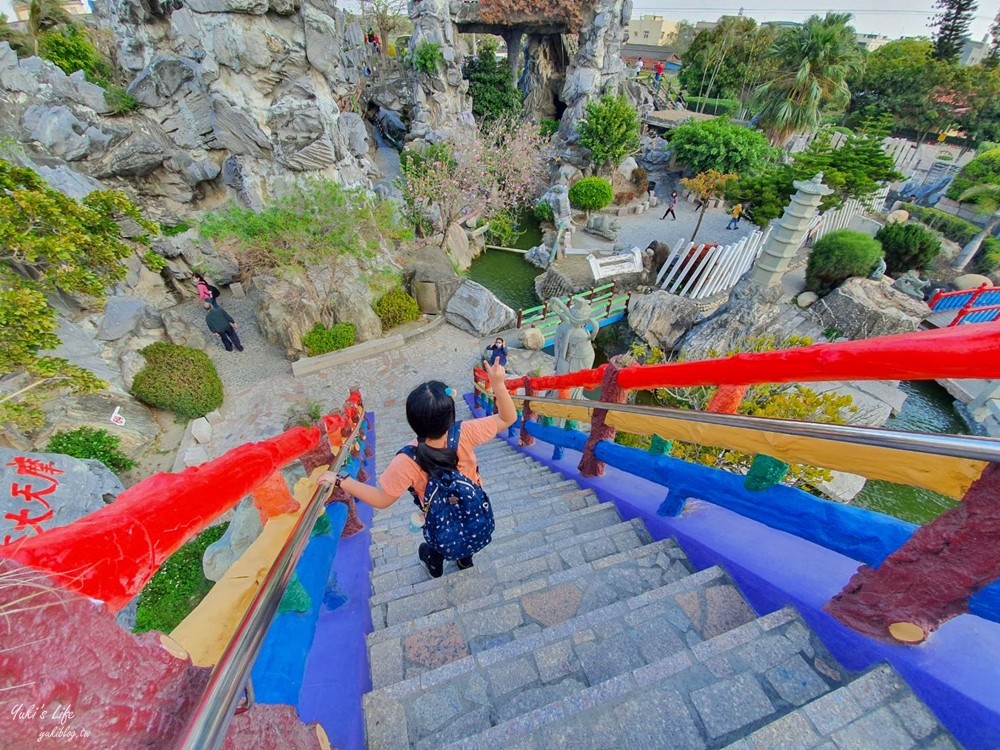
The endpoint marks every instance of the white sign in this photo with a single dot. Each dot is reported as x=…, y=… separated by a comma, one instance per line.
x=117, y=418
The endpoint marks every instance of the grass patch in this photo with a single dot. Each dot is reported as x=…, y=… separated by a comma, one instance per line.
x=178, y=586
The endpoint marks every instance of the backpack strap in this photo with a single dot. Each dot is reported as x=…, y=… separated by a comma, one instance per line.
x=410, y=451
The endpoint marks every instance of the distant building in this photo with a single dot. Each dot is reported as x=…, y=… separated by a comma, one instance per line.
x=781, y=24
x=21, y=9
x=974, y=53
x=872, y=42
x=705, y=26
x=652, y=31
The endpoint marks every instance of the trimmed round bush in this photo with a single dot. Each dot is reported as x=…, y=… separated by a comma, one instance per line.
x=396, y=307
x=86, y=442
x=591, y=194
x=321, y=340
x=907, y=246
x=180, y=379
x=839, y=256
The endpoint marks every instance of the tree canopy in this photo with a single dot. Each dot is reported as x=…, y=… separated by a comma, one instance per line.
x=719, y=144
x=50, y=243
x=727, y=62
x=951, y=24
x=609, y=130
x=814, y=62
x=491, y=85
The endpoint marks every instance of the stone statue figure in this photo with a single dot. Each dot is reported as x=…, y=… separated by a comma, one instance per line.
x=910, y=283
x=879, y=271
x=574, y=348
x=557, y=197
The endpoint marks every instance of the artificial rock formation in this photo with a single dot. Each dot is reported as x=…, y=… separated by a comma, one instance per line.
x=661, y=319
x=866, y=308
x=476, y=310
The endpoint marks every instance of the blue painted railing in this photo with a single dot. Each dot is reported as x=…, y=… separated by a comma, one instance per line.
x=863, y=535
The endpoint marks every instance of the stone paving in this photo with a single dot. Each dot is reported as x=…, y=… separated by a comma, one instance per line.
x=260, y=360
x=638, y=230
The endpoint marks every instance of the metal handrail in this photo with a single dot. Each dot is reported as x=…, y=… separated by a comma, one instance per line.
x=208, y=722
x=957, y=446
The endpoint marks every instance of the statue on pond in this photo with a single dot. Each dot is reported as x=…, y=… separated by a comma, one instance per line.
x=574, y=347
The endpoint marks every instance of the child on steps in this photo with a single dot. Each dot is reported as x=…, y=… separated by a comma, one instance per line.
x=430, y=412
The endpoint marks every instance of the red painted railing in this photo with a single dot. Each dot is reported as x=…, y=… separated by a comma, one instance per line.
x=980, y=305
x=879, y=597
x=110, y=554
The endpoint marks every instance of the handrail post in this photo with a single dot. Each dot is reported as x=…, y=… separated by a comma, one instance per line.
x=520, y=317
x=527, y=414
x=611, y=393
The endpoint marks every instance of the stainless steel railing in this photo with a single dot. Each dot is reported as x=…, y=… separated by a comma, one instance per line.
x=208, y=722
x=959, y=446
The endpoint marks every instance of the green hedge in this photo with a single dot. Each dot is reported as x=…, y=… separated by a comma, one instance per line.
x=839, y=256
x=86, y=442
x=591, y=194
x=907, y=246
x=178, y=586
x=729, y=107
x=180, y=379
x=396, y=307
x=982, y=170
x=988, y=259
x=955, y=229
x=321, y=340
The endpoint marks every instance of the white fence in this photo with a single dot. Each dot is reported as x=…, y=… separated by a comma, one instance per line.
x=699, y=271
x=841, y=218
x=611, y=265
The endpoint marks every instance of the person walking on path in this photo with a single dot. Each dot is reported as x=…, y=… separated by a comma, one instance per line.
x=734, y=221
x=497, y=352
x=222, y=325
x=206, y=292
x=442, y=446
x=658, y=75
x=671, y=205
x=638, y=67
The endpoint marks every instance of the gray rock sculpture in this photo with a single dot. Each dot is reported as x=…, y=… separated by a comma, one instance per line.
x=243, y=529
x=911, y=284
x=879, y=270
x=864, y=308
x=557, y=197
x=574, y=347
x=476, y=310
x=48, y=490
x=661, y=319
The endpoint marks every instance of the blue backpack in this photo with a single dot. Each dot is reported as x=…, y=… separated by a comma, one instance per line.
x=458, y=517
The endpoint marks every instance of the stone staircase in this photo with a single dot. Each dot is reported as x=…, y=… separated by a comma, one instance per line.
x=576, y=630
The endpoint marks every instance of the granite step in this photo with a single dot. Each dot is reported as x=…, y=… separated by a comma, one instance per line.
x=877, y=710
x=520, y=566
x=530, y=672
x=544, y=522
x=706, y=696
x=540, y=527
x=524, y=608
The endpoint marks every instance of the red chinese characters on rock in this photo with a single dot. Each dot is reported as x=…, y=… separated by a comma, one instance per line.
x=43, y=482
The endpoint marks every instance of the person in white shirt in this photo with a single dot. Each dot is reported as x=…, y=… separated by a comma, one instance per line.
x=638, y=67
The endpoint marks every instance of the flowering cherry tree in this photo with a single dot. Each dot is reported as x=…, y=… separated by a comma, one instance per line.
x=482, y=172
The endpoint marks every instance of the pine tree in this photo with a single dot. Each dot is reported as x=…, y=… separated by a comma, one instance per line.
x=952, y=22
x=994, y=56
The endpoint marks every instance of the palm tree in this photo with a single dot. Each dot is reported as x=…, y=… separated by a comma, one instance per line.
x=987, y=197
x=814, y=62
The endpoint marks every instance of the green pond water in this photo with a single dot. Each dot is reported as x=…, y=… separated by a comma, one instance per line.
x=928, y=408
x=508, y=275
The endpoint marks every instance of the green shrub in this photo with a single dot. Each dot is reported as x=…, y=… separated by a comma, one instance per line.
x=491, y=86
x=178, y=586
x=396, y=307
x=988, y=259
x=983, y=146
x=180, y=379
x=321, y=339
x=609, y=130
x=119, y=101
x=428, y=57
x=70, y=48
x=548, y=128
x=503, y=230
x=86, y=442
x=543, y=212
x=172, y=230
x=907, y=246
x=727, y=107
x=839, y=256
x=955, y=229
x=591, y=194
x=153, y=261
x=982, y=170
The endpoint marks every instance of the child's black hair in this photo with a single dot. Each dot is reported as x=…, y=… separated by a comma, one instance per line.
x=430, y=412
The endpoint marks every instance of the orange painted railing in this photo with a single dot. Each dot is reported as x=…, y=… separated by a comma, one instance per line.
x=111, y=553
